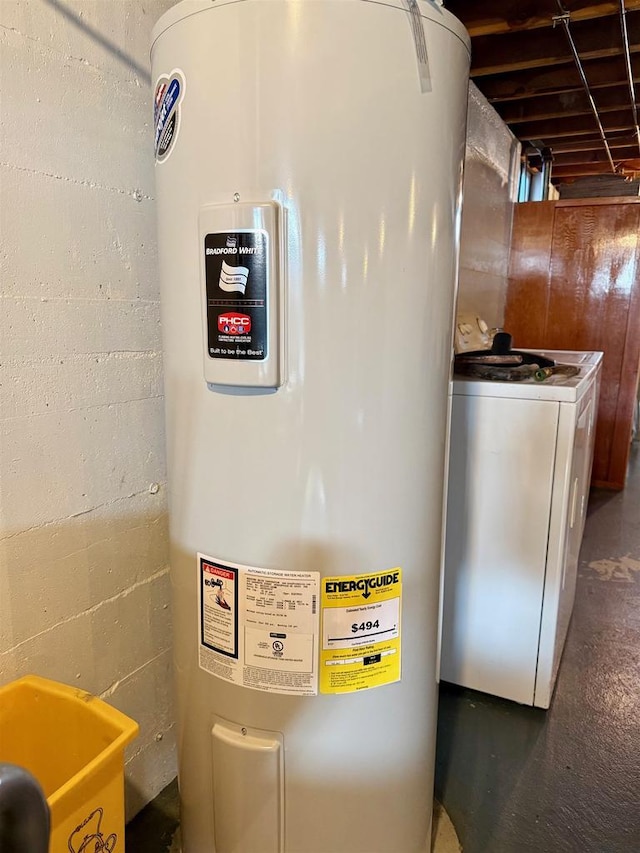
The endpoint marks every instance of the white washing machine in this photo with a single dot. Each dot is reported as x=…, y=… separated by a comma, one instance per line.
x=520, y=467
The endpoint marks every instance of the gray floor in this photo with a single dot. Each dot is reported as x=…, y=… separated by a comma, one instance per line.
x=519, y=780
x=152, y=830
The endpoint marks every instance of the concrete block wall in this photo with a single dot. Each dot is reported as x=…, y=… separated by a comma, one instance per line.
x=492, y=166
x=84, y=587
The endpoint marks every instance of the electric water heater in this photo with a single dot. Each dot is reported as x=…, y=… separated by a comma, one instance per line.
x=308, y=167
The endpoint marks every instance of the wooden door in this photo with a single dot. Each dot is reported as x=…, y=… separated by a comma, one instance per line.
x=574, y=283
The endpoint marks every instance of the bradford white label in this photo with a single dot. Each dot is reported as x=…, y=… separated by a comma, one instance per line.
x=237, y=281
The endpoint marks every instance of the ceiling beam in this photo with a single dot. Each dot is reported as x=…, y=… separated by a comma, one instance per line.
x=592, y=143
x=536, y=82
x=567, y=104
x=588, y=169
x=595, y=39
x=576, y=158
x=506, y=16
x=620, y=120
x=585, y=169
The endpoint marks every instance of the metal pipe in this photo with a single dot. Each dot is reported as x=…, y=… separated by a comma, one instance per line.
x=547, y=161
x=563, y=18
x=627, y=62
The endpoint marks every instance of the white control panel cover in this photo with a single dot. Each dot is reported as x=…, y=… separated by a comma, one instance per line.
x=240, y=251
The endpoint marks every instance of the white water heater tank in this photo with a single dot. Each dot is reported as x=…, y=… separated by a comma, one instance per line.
x=308, y=168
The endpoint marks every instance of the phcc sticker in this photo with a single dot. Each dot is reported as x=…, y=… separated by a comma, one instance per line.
x=234, y=324
x=169, y=93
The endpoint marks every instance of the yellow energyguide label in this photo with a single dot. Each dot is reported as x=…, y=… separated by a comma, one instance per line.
x=361, y=631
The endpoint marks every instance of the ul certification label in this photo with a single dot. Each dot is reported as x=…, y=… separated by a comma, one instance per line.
x=259, y=628
x=361, y=631
x=237, y=280
x=166, y=113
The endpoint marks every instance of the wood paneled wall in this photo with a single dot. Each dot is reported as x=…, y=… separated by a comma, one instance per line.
x=574, y=283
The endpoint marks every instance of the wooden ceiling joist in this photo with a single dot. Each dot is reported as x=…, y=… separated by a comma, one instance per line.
x=592, y=143
x=595, y=39
x=568, y=104
x=550, y=129
x=537, y=82
x=587, y=169
x=576, y=158
x=507, y=16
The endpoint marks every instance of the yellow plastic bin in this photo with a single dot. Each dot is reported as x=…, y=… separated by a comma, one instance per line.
x=73, y=743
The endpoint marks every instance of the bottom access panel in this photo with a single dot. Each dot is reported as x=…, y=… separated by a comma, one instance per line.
x=248, y=789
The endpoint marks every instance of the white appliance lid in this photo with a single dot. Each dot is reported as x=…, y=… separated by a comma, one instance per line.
x=556, y=388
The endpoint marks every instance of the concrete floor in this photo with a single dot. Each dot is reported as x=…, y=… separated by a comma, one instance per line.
x=153, y=829
x=147, y=838
x=520, y=780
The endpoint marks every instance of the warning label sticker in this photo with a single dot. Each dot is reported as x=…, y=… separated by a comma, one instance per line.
x=259, y=628
x=237, y=284
x=361, y=631
x=219, y=608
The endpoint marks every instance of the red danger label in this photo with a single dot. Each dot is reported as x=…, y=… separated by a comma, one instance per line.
x=234, y=324
x=217, y=571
